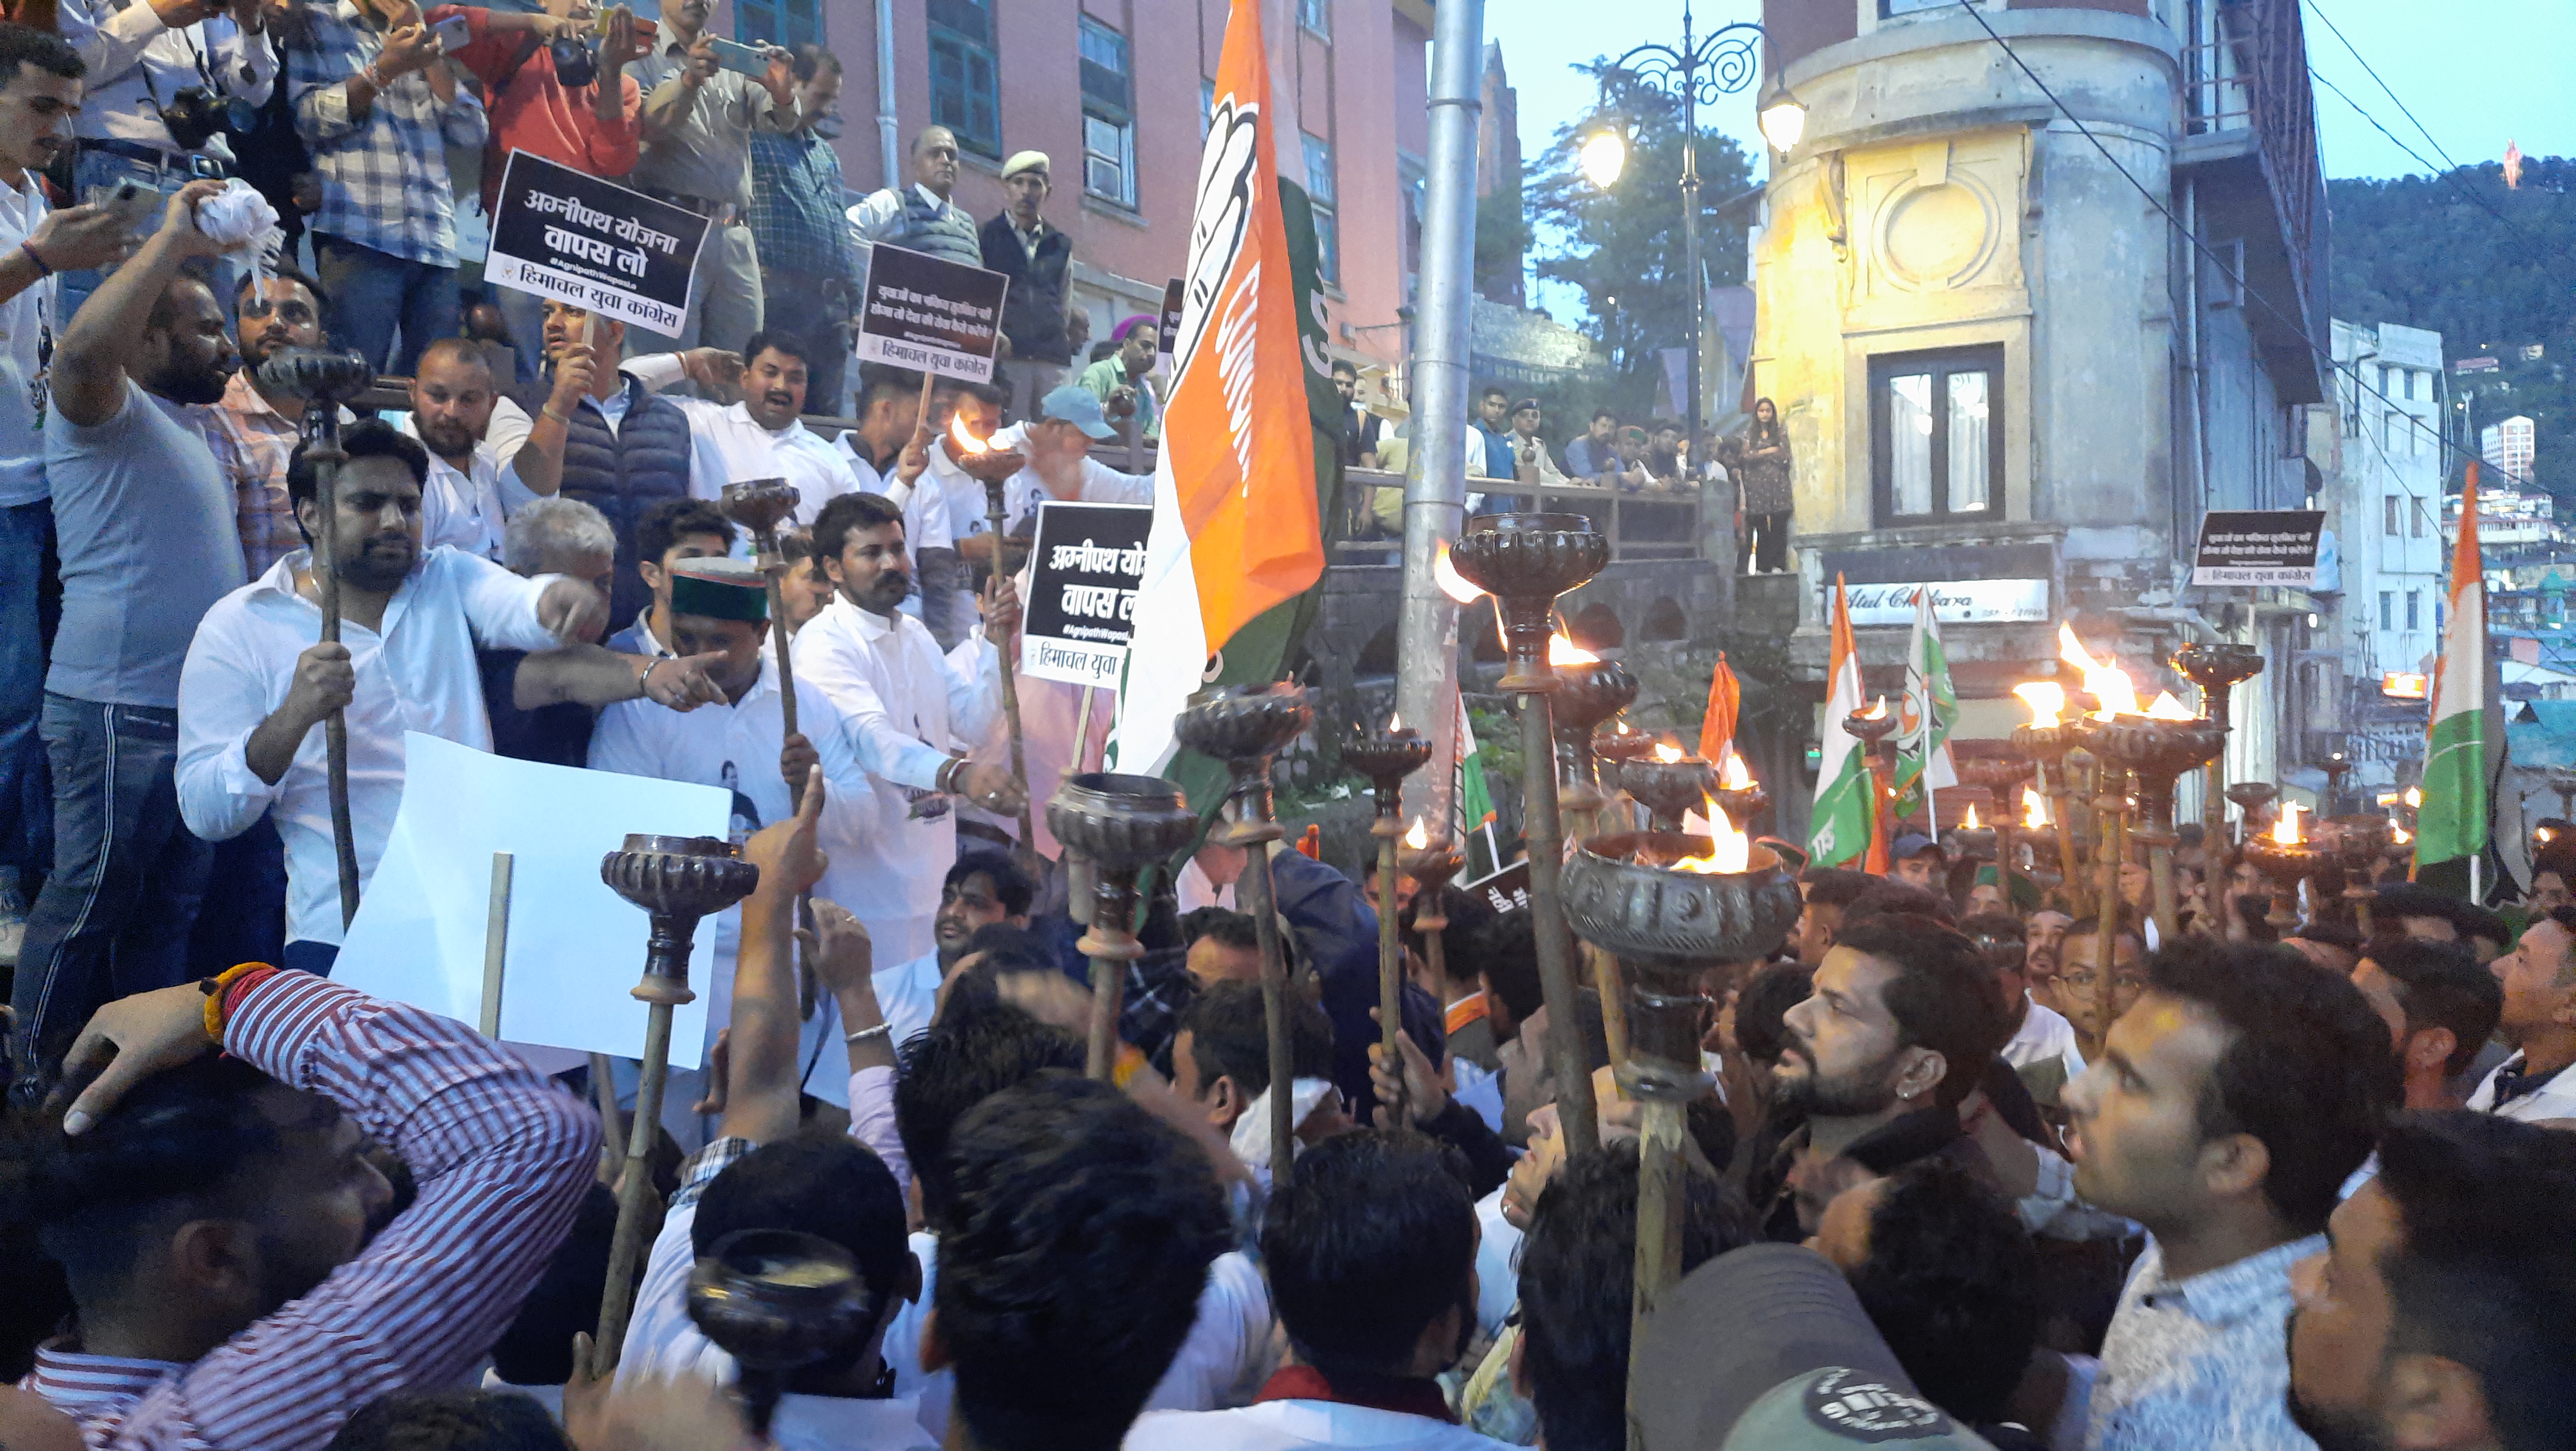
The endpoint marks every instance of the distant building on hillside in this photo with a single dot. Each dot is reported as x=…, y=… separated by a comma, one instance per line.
x=2508, y=447
x=2387, y=503
x=2509, y=519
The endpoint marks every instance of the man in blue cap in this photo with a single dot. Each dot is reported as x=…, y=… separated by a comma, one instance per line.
x=1058, y=445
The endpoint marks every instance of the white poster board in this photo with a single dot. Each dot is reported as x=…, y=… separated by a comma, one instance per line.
x=575, y=948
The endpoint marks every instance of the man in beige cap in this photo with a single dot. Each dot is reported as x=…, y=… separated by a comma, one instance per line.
x=1037, y=258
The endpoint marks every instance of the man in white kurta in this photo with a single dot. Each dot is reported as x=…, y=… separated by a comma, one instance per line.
x=760, y=437
x=721, y=607
x=909, y=711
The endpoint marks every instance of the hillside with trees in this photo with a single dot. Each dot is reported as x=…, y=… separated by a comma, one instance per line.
x=2498, y=283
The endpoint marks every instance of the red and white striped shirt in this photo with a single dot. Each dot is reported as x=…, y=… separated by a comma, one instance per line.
x=502, y=1157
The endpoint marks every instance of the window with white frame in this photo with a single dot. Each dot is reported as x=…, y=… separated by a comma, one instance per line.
x=1936, y=435
x=1108, y=116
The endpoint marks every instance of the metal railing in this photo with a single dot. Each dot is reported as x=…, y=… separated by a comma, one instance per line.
x=1639, y=525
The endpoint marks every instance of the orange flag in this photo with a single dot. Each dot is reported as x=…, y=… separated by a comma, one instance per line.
x=1725, y=702
x=1236, y=528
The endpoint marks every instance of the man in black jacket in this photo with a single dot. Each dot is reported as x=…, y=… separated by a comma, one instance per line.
x=1037, y=257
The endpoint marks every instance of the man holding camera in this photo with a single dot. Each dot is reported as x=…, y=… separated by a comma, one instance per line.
x=704, y=98
x=167, y=80
x=378, y=104
x=557, y=89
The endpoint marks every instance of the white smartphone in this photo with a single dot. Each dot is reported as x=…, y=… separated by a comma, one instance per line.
x=741, y=59
x=454, y=33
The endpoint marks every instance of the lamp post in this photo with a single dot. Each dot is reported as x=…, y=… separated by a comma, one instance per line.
x=1699, y=70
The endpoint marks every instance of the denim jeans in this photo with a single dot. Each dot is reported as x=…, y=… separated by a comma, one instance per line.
x=113, y=919
x=371, y=291
x=27, y=570
x=244, y=917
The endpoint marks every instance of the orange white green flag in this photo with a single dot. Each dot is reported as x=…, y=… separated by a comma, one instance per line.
x=1840, y=827
x=2452, y=822
x=1236, y=527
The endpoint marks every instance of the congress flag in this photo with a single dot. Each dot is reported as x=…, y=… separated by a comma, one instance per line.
x=2452, y=822
x=1930, y=709
x=1717, y=723
x=1236, y=525
x=1841, y=829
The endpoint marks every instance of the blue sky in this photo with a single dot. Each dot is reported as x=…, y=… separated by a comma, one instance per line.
x=2476, y=74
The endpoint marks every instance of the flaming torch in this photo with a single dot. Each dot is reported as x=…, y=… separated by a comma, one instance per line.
x=992, y=467
x=1876, y=728
x=1386, y=757
x=2048, y=741
x=2157, y=748
x=2217, y=669
x=2287, y=858
x=1590, y=690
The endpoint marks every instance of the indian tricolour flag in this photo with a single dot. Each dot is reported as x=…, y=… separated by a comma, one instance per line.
x=1471, y=803
x=2452, y=822
x=1840, y=831
x=1236, y=527
x=1930, y=709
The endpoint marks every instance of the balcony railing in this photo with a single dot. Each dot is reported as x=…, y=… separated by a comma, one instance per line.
x=2246, y=72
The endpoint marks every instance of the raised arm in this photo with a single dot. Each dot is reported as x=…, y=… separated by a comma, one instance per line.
x=538, y=465
x=502, y=1157
x=88, y=378
x=764, y=1075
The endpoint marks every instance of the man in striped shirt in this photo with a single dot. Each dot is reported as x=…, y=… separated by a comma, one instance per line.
x=240, y=1277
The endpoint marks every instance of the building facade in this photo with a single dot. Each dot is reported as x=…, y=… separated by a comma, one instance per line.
x=1115, y=92
x=2022, y=346
x=2508, y=447
x=2389, y=512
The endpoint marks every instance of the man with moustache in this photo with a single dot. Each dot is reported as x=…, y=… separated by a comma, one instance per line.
x=451, y=406
x=254, y=432
x=259, y=680
x=1897, y=1032
x=40, y=92
x=909, y=711
x=760, y=437
x=146, y=534
x=983, y=888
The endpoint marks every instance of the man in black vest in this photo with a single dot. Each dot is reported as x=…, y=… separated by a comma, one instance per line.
x=921, y=218
x=600, y=437
x=1020, y=245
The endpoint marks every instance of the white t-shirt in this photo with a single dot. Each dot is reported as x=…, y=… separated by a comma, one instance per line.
x=23, y=321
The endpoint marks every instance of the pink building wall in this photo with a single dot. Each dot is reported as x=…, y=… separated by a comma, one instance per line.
x=1362, y=90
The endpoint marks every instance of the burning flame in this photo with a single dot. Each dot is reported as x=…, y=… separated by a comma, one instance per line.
x=2168, y=708
x=1451, y=582
x=2414, y=798
x=1417, y=838
x=1667, y=752
x=2034, y=809
x=2103, y=679
x=964, y=442
x=2397, y=834
x=2387, y=798
x=1562, y=651
x=2046, y=698
x=1876, y=712
x=2286, y=832
x=1970, y=822
x=1729, y=851
x=1734, y=777
x=1394, y=723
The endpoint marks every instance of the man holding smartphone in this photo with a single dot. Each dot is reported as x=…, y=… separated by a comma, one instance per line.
x=158, y=99
x=704, y=97
x=377, y=102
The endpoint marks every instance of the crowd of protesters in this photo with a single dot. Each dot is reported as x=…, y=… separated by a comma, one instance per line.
x=1968, y=1171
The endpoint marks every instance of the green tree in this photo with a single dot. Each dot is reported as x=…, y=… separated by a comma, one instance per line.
x=1502, y=242
x=1623, y=246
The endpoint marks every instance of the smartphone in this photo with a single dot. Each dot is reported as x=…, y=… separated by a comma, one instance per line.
x=453, y=34
x=645, y=29
x=136, y=203
x=741, y=59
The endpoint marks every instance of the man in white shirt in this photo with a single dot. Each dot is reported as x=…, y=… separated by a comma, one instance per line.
x=1370, y=1244
x=40, y=90
x=257, y=681
x=670, y=533
x=888, y=453
x=975, y=411
x=1057, y=444
x=908, y=710
x=759, y=1173
x=720, y=608
x=2539, y=1020
x=983, y=888
x=920, y=218
x=451, y=407
x=759, y=437
x=2042, y=1048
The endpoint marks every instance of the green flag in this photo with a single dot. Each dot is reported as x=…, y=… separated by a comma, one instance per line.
x=1471, y=804
x=1840, y=829
x=1925, y=717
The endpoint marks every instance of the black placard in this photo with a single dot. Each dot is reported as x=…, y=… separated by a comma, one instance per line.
x=2259, y=546
x=597, y=245
x=1504, y=891
x=1168, y=326
x=1089, y=561
x=922, y=313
